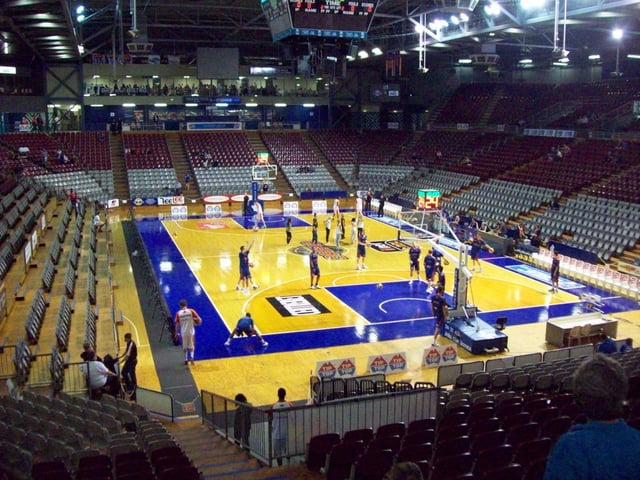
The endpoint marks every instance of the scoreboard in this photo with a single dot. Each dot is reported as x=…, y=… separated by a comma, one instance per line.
x=428, y=199
x=319, y=18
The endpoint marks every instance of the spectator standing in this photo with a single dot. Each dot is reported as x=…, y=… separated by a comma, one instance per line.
x=381, y=201
x=605, y=446
x=129, y=361
x=186, y=320
x=555, y=272
x=242, y=421
x=367, y=203
x=187, y=181
x=280, y=426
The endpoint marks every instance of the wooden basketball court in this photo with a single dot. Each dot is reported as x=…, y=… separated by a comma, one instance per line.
x=197, y=259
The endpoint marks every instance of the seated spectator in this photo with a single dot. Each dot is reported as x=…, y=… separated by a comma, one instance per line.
x=98, y=224
x=404, y=471
x=607, y=344
x=88, y=352
x=605, y=446
x=627, y=345
x=101, y=379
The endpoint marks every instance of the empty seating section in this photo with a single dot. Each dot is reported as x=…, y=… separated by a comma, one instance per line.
x=63, y=325
x=340, y=147
x=467, y=103
x=226, y=149
x=71, y=437
x=223, y=180
x=446, y=182
x=586, y=163
x=503, y=155
x=35, y=317
x=624, y=185
x=591, y=101
x=299, y=162
x=86, y=185
x=380, y=177
x=594, y=224
x=488, y=200
x=515, y=102
x=437, y=149
x=149, y=165
x=221, y=161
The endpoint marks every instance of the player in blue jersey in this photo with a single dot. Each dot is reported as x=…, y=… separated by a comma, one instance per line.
x=429, y=267
x=442, y=280
x=440, y=311
x=414, y=261
x=361, y=250
x=477, y=244
x=245, y=269
x=314, y=268
x=245, y=326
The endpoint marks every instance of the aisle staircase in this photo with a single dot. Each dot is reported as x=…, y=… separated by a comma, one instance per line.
x=219, y=459
x=181, y=165
x=118, y=167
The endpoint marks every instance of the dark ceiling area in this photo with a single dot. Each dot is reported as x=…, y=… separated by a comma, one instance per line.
x=48, y=29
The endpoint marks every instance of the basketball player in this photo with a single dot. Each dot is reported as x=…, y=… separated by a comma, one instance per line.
x=440, y=310
x=414, y=261
x=362, y=250
x=314, y=268
x=245, y=269
x=259, y=217
x=186, y=319
x=477, y=244
x=245, y=326
x=336, y=208
x=358, y=205
x=429, y=268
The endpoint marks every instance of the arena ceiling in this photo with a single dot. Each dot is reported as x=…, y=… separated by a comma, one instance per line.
x=48, y=29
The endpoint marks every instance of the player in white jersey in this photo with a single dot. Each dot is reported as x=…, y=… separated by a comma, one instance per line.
x=186, y=320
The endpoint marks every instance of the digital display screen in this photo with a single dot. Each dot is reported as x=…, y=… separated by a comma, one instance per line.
x=428, y=199
x=344, y=15
x=319, y=18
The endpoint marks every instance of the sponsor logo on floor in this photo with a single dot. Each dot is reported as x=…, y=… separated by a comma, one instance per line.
x=297, y=305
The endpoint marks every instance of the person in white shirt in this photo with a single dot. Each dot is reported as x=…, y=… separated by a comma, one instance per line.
x=98, y=375
x=187, y=319
x=98, y=223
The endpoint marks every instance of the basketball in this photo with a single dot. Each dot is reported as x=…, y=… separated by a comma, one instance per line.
x=175, y=234
x=250, y=264
x=255, y=228
x=379, y=286
x=197, y=321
